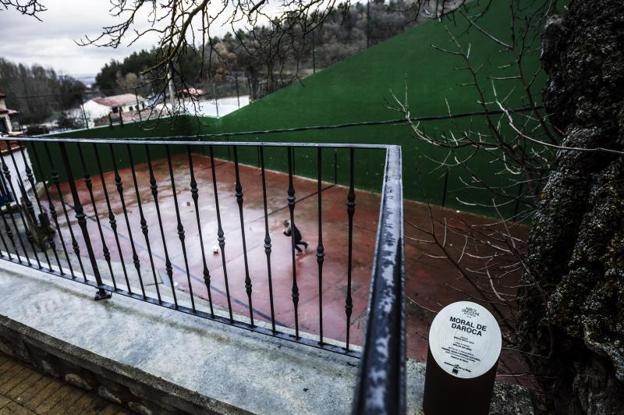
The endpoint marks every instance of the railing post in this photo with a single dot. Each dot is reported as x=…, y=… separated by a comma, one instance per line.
x=101, y=293
x=445, y=188
x=350, y=213
x=291, y=208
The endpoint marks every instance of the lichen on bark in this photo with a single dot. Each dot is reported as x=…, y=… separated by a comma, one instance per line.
x=572, y=316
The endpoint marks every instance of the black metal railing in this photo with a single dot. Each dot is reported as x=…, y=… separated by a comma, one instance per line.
x=164, y=190
x=382, y=379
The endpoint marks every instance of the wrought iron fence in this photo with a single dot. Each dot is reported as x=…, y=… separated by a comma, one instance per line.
x=96, y=214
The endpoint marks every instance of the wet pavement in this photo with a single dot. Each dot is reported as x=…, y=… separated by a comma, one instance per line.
x=335, y=240
x=431, y=283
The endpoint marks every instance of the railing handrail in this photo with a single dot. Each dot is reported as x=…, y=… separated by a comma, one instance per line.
x=381, y=382
x=198, y=142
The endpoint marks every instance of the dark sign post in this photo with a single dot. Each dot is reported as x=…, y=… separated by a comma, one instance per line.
x=464, y=346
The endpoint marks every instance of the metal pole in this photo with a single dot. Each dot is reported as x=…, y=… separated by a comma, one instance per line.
x=171, y=90
x=136, y=97
x=368, y=25
x=445, y=189
x=237, y=90
x=214, y=93
x=84, y=115
x=313, y=53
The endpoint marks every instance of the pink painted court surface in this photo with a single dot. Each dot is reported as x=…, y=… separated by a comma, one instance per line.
x=430, y=283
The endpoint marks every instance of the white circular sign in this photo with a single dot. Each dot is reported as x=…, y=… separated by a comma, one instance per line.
x=465, y=339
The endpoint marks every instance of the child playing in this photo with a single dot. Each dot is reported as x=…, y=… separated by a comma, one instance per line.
x=298, y=239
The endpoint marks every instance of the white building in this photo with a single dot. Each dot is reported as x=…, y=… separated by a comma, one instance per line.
x=6, y=126
x=97, y=108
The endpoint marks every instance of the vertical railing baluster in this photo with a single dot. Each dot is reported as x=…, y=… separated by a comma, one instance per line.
x=119, y=185
x=54, y=216
x=111, y=216
x=7, y=175
x=54, y=177
x=25, y=199
x=31, y=180
x=180, y=227
x=220, y=233
x=291, y=209
x=320, y=249
x=195, y=197
x=144, y=228
x=89, y=184
x=267, y=236
x=239, y=201
x=4, y=186
x=6, y=247
x=350, y=212
x=101, y=293
x=154, y=188
x=9, y=234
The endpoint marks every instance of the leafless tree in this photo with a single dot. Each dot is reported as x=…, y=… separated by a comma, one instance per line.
x=522, y=263
x=28, y=7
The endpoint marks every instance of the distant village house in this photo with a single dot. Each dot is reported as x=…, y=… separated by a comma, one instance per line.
x=97, y=110
x=6, y=124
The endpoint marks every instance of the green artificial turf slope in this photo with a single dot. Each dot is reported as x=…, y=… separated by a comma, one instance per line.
x=361, y=88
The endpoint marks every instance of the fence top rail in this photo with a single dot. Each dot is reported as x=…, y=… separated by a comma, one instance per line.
x=196, y=142
x=381, y=384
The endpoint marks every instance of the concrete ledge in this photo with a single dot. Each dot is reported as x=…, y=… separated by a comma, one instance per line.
x=155, y=360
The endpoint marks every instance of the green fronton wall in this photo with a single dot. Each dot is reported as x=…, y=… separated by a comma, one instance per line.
x=361, y=89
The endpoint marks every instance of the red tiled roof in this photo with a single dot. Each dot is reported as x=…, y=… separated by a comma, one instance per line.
x=117, y=100
x=195, y=92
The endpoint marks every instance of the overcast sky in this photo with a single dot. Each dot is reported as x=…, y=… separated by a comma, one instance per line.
x=51, y=42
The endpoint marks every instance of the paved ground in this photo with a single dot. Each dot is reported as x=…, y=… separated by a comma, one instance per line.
x=431, y=283
x=24, y=391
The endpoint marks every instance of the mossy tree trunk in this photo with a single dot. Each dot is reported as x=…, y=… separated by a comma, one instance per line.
x=572, y=317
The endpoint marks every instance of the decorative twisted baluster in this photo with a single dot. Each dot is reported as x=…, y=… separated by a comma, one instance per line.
x=54, y=216
x=6, y=247
x=7, y=228
x=220, y=233
x=29, y=208
x=54, y=178
x=239, y=201
x=154, y=189
x=9, y=234
x=119, y=186
x=180, y=227
x=7, y=175
x=291, y=209
x=144, y=228
x=111, y=217
x=195, y=197
x=267, y=236
x=31, y=179
x=350, y=212
x=82, y=223
x=89, y=184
